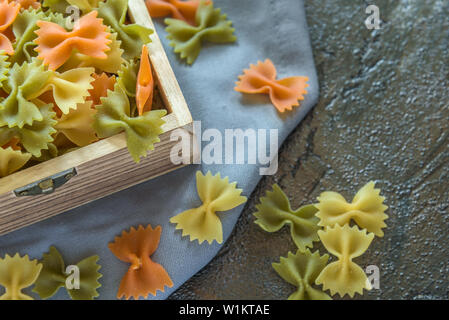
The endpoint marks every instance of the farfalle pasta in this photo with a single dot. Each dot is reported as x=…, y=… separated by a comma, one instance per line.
x=217, y=195
x=145, y=84
x=58, y=85
x=8, y=13
x=210, y=26
x=301, y=270
x=132, y=36
x=53, y=277
x=177, y=9
x=16, y=274
x=344, y=276
x=261, y=78
x=274, y=211
x=55, y=45
x=24, y=81
x=366, y=209
x=144, y=276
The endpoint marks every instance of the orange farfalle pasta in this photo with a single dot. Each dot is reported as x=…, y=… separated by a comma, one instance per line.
x=144, y=276
x=261, y=78
x=182, y=10
x=8, y=13
x=100, y=87
x=144, y=84
x=55, y=44
x=13, y=143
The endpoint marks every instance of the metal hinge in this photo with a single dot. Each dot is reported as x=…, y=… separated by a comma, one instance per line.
x=47, y=185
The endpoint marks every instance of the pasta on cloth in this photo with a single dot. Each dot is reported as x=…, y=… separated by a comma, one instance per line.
x=8, y=13
x=261, y=78
x=366, y=209
x=217, y=194
x=177, y=9
x=55, y=45
x=210, y=25
x=144, y=276
x=53, y=276
x=274, y=211
x=344, y=276
x=301, y=270
x=17, y=273
x=145, y=83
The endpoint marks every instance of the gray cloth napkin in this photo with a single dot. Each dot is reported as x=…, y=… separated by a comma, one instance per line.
x=265, y=29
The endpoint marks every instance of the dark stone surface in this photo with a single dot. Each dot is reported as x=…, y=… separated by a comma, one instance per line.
x=382, y=115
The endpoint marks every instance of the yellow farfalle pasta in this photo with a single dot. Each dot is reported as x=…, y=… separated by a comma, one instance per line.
x=77, y=124
x=366, y=209
x=17, y=273
x=12, y=160
x=301, y=270
x=217, y=194
x=344, y=276
x=69, y=88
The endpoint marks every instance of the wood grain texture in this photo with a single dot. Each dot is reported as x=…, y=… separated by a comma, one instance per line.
x=104, y=167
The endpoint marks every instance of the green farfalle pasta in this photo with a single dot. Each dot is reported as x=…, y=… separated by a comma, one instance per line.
x=113, y=116
x=35, y=137
x=53, y=276
x=23, y=82
x=301, y=270
x=23, y=29
x=4, y=67
x=274, y=211
x=211, y=26
x=133, y=36
x=127, y=77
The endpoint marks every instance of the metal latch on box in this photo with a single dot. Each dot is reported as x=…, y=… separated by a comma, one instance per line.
x=47, y=185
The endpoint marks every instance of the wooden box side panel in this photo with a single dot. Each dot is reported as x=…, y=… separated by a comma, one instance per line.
x=117, y=170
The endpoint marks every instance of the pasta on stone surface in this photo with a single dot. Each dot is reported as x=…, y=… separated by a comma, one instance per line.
x=366, y=209
x=77, y=125
x=16, y=274
x=274, y=211
x=210, y=25
x=344, y=276
x=301, y=270
x=53, y=277
x=217, y=194
x=144, y=276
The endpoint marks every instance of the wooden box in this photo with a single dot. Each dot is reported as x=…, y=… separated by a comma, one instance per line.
x=102, y=168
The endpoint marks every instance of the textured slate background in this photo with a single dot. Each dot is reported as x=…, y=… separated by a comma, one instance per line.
x=382, y=115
